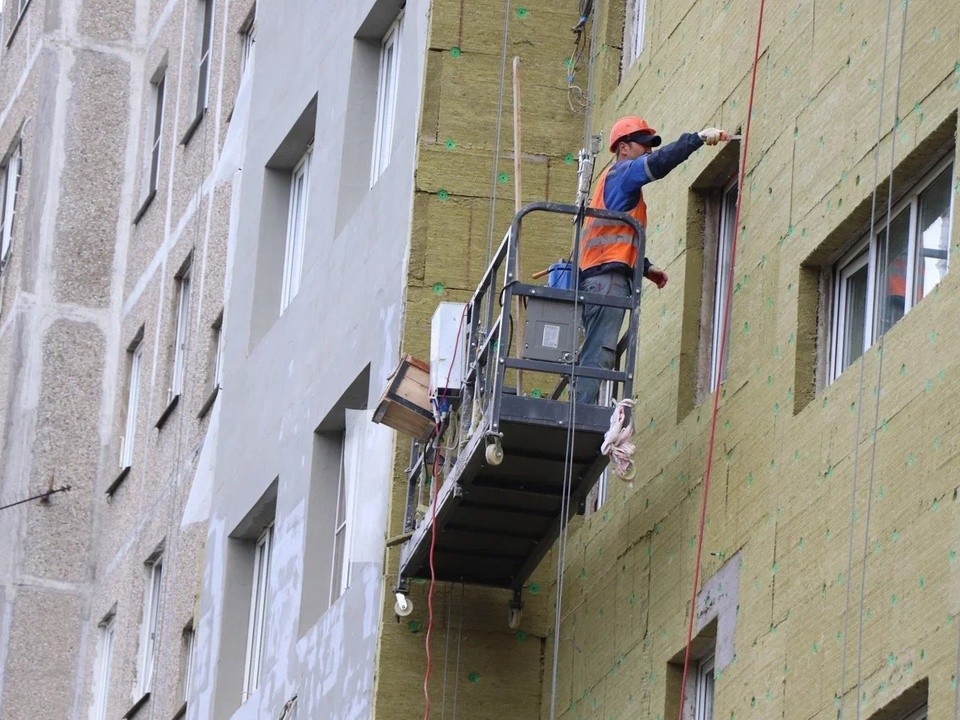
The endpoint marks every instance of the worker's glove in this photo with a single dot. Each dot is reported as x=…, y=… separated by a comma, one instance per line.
x=711, y=136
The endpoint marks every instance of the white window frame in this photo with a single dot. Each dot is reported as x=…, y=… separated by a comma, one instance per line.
x=151, y=623
x=205, y=56
x=387, y=93
x=133, y=402
x=704, y=689
x=101, y=688
x=725, y=231
x=340, y=578
x=159, y=93
x=259, y=602
x=182, y=332
x=633, y=31
x=867, y=250
x=248, y=40
x=11, y=186
x=296, y=230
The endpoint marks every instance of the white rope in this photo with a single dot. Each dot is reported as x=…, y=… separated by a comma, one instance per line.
x=617, y=443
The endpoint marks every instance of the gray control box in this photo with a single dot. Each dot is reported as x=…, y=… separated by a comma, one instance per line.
x=550, y=331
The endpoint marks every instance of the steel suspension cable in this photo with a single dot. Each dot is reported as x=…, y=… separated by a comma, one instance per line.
x=876, y=415
x=860, y=387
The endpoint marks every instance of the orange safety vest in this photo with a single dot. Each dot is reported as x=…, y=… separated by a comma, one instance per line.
x=607, y=241
x=897, y=277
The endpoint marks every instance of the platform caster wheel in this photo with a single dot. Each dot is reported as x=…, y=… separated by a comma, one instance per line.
x=513, y=618
x=404, y=605
x=494, y=454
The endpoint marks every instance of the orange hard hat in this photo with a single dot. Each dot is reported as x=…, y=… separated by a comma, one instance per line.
x=631, y=125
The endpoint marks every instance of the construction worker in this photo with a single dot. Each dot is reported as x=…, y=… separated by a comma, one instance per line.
x=608, y=249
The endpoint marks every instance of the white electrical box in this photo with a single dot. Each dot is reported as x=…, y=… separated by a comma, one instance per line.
x=448, y=333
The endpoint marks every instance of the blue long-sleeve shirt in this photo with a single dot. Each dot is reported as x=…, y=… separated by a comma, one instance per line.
x=626, y=178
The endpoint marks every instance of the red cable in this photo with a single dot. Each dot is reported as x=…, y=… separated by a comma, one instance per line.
x=723, y=342
x=433, y=530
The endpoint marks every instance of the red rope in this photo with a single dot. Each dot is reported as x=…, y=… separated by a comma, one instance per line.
x=433, y=574
x=728, y=294
x=434, y=485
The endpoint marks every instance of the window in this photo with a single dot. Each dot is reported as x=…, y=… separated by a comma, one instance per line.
x=189, y=649
x=101, y=686
x=159, y=88
x=248, y=38
x=340, y=579
x=728, y=212
x=10, y=175
x=910, y=704
x=346, y=444
x=133, y=399
x=703, y=693
x=259, y=601
x=386, y=101
x=205, y=27
x=180, y=338
x=633, y=29
x=296, y=230
x=151, y=622
x=598, y=494
x=711, y=211
x=888, y=271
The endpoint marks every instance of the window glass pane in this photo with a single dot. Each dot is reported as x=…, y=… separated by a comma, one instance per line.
x=853, y=320
x=180, y=340
x=892, y=273
x=103, y=671
x=133, y=397
x=296, y=231
x=386, y=103
x=11, y=181
x=633, y=30
x=934, y=234
x=728, y=211
x=703, y=704
x=338, y=580
x=157, y=133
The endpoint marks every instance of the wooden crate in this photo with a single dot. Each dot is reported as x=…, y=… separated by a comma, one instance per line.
x=405, y=404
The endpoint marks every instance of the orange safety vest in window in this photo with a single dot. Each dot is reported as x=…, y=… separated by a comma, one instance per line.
x=610, y=241
x=897, y=277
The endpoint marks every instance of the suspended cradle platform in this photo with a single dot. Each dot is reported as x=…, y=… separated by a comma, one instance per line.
x=496, y=522
x=500, y=503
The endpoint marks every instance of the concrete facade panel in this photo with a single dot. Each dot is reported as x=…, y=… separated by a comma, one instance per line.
x=67, y=445
x=85, y=225
x=39, y=660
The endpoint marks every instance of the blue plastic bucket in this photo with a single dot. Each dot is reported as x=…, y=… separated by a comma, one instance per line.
x=560, y=275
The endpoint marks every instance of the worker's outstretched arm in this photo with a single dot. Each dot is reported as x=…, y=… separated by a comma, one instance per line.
x=662, y=160
x=632, y=175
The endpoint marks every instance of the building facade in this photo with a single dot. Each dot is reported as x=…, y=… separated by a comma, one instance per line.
x=222, y=225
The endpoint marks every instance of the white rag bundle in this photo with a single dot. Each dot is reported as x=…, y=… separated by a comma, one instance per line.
x=616, y=443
